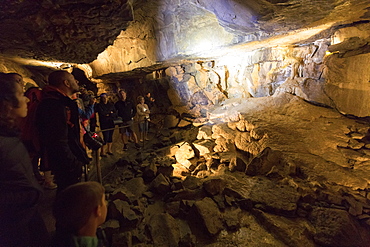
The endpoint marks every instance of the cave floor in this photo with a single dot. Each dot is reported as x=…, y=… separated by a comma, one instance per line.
x=317, y=164
x=107, y=165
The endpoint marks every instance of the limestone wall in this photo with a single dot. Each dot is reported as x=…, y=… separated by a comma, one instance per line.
x=348, y=71
x=259, y=73
x=339, y=79
x=162, y=31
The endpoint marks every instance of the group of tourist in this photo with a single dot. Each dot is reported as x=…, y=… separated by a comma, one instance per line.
x=56, y=120
x=129, y=114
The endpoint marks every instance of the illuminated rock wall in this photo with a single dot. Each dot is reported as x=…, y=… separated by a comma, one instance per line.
x=172, y=35
x=347, y=71
x=163, y=31
x=339, y=80
x=297, y=70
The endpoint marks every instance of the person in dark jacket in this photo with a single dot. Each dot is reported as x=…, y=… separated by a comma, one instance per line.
x=106, y=113
x=126, y=110
x=20, y=221
x=149, y=100
x=57, y=120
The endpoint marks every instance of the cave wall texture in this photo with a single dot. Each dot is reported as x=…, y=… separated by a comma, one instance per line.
x=201, y=52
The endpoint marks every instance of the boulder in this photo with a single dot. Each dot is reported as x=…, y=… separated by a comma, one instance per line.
x=291, y=231
x=160, y=184
x=209, y=216
x=336, y=227
x=164, y=230
x=122, y=211
x=214, y=186
x=184, y=153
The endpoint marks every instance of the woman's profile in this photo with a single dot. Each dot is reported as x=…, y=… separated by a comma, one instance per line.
x=20, y=221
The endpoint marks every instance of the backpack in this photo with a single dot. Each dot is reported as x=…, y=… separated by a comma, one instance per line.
x=29, y=134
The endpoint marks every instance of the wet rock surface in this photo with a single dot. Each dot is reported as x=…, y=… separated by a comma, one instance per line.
x=295, y=187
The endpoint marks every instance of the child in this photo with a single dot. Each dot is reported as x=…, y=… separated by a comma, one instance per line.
x=79, y=210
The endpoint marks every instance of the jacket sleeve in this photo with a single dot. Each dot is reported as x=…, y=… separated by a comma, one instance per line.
x=22, y=197
x=133, y=111
x=89, y=110
x=17, y=185
x=115, y=112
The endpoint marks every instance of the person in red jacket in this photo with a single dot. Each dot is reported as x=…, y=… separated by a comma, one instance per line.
x=58, y=123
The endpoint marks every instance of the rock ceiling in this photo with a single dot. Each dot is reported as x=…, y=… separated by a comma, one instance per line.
x=78, y=31
x=61, y=30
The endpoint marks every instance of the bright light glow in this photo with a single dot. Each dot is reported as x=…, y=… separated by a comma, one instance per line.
x=33, y=62
x=203, y=45
x=290, y=38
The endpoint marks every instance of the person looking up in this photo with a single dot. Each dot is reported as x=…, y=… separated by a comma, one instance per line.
x=79, y=210
x=20, y=221
x=126, y=110
x=106, y=112
x=85, y=96
x=58, y=124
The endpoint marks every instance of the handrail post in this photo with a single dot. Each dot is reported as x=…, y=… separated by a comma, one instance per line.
x=98, y=167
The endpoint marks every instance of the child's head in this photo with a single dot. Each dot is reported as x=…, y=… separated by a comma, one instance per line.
x=78, y=205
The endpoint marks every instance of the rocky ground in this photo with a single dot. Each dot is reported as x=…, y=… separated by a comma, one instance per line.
x=273, y=171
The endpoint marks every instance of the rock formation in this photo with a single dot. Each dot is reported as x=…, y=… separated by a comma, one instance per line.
x=282, y=172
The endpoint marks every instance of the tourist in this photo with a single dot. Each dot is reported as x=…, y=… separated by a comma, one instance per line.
x=57, y=120
x=143, y=118
x=79, y=210
x=106, y=114
x=20, y=221
x=126, y=110
x=149, y=100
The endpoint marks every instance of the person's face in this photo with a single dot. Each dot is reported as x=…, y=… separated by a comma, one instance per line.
x=73, y=84
x=103, y=210
x=103, y=98
x=142, y=100
x=21, y=110
x=123, y=95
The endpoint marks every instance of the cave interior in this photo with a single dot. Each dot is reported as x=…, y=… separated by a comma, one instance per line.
x=259, y=132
